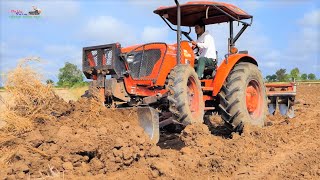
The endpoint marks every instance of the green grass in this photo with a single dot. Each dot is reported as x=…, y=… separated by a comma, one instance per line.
x=298, y=81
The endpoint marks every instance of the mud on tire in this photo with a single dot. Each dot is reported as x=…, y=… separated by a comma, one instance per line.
x=185, y=95
x=243, y=97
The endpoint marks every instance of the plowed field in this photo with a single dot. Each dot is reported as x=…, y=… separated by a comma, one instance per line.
x=83, y=140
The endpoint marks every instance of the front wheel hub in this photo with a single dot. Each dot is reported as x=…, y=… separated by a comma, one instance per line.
x=193, y=96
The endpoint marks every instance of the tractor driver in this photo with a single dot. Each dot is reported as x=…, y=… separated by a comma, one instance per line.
x=207, y=49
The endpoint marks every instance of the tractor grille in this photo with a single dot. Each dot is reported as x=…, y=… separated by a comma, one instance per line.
x=108, y=56
x=142, y=60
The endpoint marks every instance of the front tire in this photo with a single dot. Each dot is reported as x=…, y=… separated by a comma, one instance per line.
x=185, y=95
x=243, y=97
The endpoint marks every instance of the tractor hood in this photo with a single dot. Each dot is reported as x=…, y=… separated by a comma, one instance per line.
x=129, y=48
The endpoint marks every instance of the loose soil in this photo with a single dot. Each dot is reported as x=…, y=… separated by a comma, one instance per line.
x=88, y=141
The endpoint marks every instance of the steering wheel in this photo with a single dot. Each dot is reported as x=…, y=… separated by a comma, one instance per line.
x=195, y=49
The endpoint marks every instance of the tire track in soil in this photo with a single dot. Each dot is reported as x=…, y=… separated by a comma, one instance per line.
x=288, y=160
x=298, y=157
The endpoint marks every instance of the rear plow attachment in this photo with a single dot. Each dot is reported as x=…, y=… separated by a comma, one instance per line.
x=282, y=96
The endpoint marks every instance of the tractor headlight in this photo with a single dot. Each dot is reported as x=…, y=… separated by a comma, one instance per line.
x=130, y=59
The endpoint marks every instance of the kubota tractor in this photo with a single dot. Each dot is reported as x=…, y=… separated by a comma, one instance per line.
x=159, y=79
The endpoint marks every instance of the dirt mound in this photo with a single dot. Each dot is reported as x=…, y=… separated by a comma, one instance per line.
x=76, y=145
x=78, y=138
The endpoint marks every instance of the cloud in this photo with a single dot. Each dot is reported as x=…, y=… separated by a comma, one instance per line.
x=302, y=48
x=60, y=10
x=3, y=49
x=258, y=44
x=65, y=52
x=311, y=18
x=7, y=57
x=155, y=34
x=154, y=3
x=271, y=59
x=107, y=29
x=55, y=56
x=306, y=40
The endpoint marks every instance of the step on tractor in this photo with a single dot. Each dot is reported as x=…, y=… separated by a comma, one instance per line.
x=160, y=81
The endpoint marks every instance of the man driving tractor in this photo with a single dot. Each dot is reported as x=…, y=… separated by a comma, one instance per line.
x=207, y=49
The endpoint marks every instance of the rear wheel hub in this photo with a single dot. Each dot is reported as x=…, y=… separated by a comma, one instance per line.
x=253, y=98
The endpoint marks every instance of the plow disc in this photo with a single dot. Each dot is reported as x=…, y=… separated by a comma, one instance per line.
x=149, y=120
x=272, y=105
x=281, y=96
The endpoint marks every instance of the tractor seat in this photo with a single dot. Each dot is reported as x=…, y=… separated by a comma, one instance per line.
x=209, y=72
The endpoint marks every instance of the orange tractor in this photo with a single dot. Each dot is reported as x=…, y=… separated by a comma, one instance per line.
x=159, y=79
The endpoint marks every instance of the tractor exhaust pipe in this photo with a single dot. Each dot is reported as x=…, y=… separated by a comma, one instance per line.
x=178, y=30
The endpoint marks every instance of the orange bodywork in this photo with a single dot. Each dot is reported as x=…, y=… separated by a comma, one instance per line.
x=161, y=69
x=225, y=68
x=276, y=89
x=147, y=85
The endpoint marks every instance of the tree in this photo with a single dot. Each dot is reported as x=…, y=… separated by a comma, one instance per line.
x=281, y=75
x=271, y=78
x=50, y=81
x=304, y=77
x=274, y=78
x=312, y=76
x=268, y=78
x=295, y=74
x=69, y=75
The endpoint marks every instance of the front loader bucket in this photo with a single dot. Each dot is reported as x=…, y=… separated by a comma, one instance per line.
x=149, y=121
x=282, y=96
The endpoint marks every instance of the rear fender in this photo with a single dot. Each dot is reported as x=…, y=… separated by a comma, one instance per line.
x=225, y=68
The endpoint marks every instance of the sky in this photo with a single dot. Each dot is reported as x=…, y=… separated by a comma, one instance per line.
x=284, y=34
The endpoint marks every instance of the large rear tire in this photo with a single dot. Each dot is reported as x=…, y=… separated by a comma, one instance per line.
x=185, y=95
x=243, y=97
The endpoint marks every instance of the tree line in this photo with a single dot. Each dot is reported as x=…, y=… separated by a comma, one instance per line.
x=69, y=76
x=294, y=75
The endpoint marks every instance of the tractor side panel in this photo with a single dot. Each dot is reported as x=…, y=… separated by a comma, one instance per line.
x=225, y=68
x=187, y=57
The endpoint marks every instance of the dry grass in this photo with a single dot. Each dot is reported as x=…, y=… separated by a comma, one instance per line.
x=70, y=94
x=28, y=99
x=78, y=92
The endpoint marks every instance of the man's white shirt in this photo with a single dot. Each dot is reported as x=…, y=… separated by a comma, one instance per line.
x=206, y=46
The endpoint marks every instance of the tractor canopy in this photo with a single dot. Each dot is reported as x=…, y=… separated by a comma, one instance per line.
x=208, y=11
